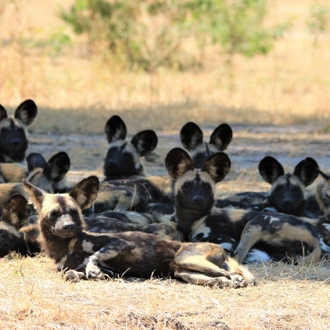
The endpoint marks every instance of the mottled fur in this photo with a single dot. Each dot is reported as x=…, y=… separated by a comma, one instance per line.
x=13, y=131
x=191, y=137
x=83, y=254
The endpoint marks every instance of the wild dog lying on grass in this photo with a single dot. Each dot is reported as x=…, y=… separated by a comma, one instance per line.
x=123, y=158
x=287, y=190
x=127, y=254
x=318, y=197
x=13, y=131
x=191, y=137
x=15, y=216
x=50, y=176
x=286, y=237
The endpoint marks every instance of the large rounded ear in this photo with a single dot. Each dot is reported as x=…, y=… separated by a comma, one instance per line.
x=217, y=166
x=35, y=160
x=3, y=113
x=57, y=166
x=270, y=169
x=221, y=136
x=36, y=194
x=178, y=162
x=191, y=135
x=16, y=211
x=115, y=129
x=26, y=112
x=307, y=171
x=145, y=142
x=86, y=191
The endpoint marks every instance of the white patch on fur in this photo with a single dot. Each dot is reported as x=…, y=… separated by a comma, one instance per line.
x=60, y=264
x=88, y=247
x=324, y=247
x=326, y=226
x=199, y=228
x=256, y=255
x=227, y=246
x=273, y=219
x=11, y=229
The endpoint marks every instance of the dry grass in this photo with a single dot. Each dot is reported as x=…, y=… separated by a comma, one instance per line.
x=34, y=296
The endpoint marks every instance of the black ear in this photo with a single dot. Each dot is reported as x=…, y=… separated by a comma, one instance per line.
x=222, y=136
x=145, y=142
x=57, y=166
x=178, y=162
x=307, y=170
x=191, y=135
x=35, y=160
x=115, y=129
x=86, y=191
x=270, y=169
x=16, y=211
x=36, y=194
x=26, y=112
x=3, y=113
x=217, y=166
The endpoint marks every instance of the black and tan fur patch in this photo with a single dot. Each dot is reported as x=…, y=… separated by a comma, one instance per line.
x=90, y=255
x=191, y=137
x=13, y=132
x=123, y=157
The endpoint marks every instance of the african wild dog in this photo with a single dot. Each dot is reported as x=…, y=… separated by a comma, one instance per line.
x=286, y=237
x=200, y=221
x=83, y=254
x=50, y=176
x=15, y=216
x=123, y=157
x=287, y=190
x=318, y=197
x=13, y=132
x=191, y=137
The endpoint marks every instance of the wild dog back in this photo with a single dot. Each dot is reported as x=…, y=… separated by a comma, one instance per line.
x=13, y=131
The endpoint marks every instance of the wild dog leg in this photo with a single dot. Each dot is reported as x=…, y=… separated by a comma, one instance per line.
x=109, y=251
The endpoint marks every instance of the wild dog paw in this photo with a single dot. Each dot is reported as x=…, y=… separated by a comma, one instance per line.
x=238, y=281
x=73, y=276
x=93, y=271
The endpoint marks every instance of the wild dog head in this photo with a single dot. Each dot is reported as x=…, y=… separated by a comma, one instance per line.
x=49, y=175
x=122, y=159
x=60, y=215
x=287, y=191
x=14, y=216
x=13, y=131
x=195, y=189
x=192, y=139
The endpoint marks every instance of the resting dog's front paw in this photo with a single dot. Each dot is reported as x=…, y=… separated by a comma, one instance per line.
x=93, y=271
x=73, y=276
x=238, y=281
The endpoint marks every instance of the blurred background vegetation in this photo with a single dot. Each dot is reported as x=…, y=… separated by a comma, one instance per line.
x=160, y=63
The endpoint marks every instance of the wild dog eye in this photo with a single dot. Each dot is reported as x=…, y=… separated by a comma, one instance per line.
x=53, y=214
x=74, y=211
x=206, y=186
x=187, y=185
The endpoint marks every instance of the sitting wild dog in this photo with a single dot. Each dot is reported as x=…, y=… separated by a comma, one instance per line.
x=123, y=158
x=49, y=176
x=191, y=137
x=286, y=237
x=287, y=190
x=83, y=254
x=15, y=216
x=318, y=197
x=13, y=132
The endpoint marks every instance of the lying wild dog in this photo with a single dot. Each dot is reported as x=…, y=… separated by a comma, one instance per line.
x=127, y=254
x=287, y=189
x=49, y=176
x=123, y=158
x=134, y=194
x=13, y=131
x=191, y=137
x=318, y=197
x=15, y=216
x=284, y=236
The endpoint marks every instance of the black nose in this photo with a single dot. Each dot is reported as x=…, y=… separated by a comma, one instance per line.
x=198, y=200
x=112, y=164
x=287, y=202
x=15, y=143
x=70, y=227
